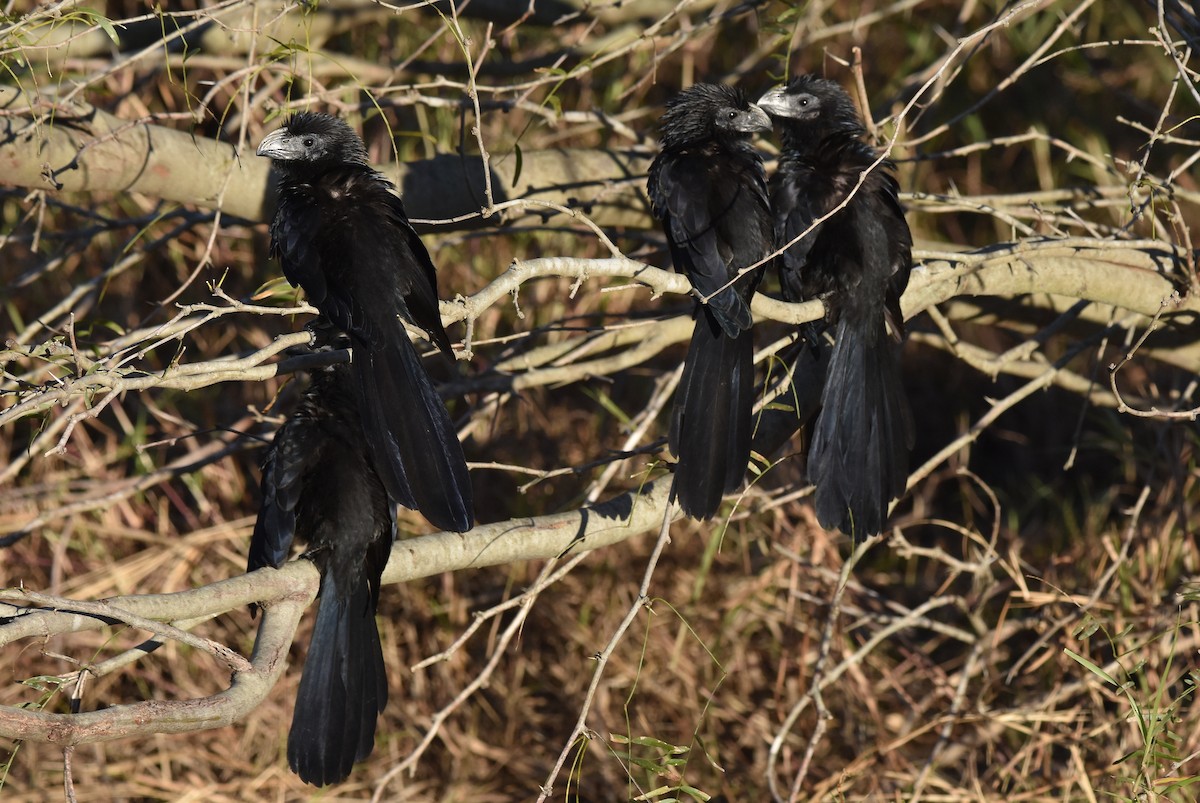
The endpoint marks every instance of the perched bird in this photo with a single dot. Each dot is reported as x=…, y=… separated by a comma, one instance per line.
x=341, y=233
x=708, y=188
x=857, y=262
x=319, y=484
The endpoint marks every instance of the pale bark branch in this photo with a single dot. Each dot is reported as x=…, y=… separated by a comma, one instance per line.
x=285, y=593
x=1135, y=275
x=76, y=147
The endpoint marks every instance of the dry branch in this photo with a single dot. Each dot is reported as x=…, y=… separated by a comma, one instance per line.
x=50, y=145
x=1139, y=276
x=285, y=593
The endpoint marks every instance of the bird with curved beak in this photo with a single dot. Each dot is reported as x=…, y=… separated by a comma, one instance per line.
x=857, y=262
x=342, y=234
x=708, y=188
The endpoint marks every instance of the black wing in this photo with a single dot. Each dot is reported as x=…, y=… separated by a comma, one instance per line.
x=349, y=244
x=298, y=448
x=296, y=240
x=796, y=201
x=680, y=191
x=422, y=297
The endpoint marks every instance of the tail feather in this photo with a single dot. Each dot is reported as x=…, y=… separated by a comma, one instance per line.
x=413, y=441
x=859, y=456
x=711, y=423
x=275, y=527
x=343, y=688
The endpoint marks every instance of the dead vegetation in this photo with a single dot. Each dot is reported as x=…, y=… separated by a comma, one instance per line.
x=1029, y=630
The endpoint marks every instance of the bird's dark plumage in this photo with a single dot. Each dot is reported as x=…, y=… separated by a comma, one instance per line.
x=708, y=189
x=341, y=233
x=319, y=485
x=857, y=262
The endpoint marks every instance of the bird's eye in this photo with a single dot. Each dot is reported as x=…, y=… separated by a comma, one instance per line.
x=308, y=142
x=803, y=102
x=732, y=115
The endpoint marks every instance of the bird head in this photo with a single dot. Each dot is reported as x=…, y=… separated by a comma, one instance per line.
x=711, y=112
x=312, y=141
x=816, y=106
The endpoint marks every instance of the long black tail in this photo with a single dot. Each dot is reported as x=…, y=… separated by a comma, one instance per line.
x=413, y=442
x=859, y=455
x=711, y=422
x=343, y=688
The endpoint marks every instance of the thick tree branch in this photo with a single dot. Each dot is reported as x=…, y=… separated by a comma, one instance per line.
x=1134, y=275
x=284, y=593
x=76, y=147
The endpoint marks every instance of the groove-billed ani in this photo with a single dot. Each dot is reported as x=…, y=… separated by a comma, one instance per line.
x=319, y=484
x=708, y=188
x=858, y=263
x=341, y=233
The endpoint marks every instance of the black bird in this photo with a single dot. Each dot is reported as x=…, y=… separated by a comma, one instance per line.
x=708, y=188
x=857, y=262
x=319, y=484
x=341, y=233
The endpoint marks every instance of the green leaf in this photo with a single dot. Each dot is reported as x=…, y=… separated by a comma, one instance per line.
x=105, y=24
x=1087, y=629
x=650, y=741
x=603, y=399
x=1178, y=783
x=1095, y=670
x=786, y=16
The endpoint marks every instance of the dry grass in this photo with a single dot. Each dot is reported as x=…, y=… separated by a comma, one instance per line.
x=1029, y=631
